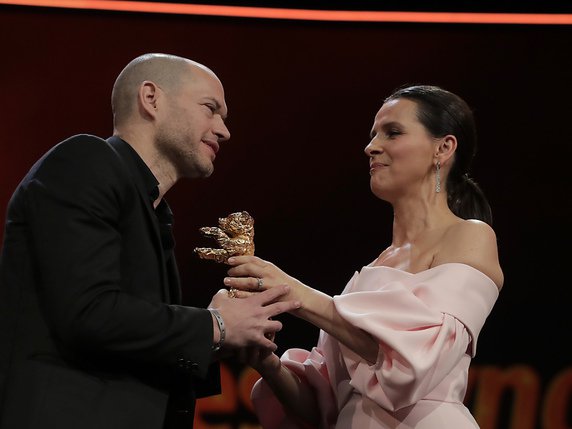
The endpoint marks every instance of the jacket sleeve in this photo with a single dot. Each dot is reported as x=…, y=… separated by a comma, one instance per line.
x=75, y=198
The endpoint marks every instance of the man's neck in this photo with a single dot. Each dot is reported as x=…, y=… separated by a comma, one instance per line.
x=145, y=148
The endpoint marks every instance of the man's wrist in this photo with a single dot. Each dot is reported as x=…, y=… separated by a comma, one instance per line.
x=219, y=322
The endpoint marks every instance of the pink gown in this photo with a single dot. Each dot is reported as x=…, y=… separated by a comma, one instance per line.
x=426, y=324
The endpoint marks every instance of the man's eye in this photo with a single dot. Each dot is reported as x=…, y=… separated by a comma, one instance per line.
x=211, y=108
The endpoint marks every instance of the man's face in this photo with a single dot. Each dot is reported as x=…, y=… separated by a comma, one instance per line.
x=190, y=129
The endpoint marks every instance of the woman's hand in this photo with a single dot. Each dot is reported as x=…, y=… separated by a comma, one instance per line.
x=250, y=274
x=266, y=362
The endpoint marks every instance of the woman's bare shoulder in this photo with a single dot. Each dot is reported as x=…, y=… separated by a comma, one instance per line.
x=472, y=242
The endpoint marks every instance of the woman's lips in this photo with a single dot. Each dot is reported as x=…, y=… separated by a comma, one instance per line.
x=375, y=165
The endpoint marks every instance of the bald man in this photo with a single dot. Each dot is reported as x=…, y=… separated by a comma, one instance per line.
x=92, y=331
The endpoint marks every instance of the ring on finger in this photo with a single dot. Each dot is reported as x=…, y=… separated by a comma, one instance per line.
x=260, y=284
x=232, y=292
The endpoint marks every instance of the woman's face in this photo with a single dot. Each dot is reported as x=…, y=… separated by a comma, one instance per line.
x=401, y=152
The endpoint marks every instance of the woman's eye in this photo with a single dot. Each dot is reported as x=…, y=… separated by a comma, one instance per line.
x=393, y=133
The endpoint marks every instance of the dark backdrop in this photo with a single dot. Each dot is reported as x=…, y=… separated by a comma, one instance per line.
x=302, y=96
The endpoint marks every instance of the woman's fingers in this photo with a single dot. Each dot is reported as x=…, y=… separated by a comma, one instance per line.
x=240, y=260
x=253, y=284
x=250, y=273
x=247, y=269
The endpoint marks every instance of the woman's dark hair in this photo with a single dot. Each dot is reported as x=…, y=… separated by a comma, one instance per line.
x=441, y=112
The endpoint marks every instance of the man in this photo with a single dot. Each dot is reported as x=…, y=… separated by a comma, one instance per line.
x=92, y=333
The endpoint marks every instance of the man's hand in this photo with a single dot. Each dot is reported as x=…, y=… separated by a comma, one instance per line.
x=248, y=320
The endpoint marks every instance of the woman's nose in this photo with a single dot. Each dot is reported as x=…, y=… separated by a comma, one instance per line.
x=372, y=148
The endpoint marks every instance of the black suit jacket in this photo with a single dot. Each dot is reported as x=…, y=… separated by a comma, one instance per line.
x=92, y=333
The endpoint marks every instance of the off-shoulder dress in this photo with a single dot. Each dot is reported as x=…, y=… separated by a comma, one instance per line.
x=426, y=324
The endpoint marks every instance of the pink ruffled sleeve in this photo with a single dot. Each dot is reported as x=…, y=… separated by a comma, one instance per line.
x=312, y=369
x=424, y=323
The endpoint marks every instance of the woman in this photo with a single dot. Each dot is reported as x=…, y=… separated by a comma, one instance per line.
x=395, y=346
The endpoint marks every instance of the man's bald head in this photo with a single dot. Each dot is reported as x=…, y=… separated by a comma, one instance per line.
x=166, y=71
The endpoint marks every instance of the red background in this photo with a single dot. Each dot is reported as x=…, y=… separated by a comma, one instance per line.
x=302, y=96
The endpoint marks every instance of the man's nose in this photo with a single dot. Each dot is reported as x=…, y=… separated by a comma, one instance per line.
x=222, y=131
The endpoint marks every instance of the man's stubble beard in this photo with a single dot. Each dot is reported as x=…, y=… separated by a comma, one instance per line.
x=183, y=155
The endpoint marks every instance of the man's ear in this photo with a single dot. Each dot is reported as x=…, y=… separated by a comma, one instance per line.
x=148, y=96
x=446, y=148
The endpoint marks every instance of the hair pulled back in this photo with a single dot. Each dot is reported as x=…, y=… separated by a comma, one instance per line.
x=443, y=113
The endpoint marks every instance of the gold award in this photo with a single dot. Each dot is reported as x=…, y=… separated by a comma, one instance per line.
x=234, y=235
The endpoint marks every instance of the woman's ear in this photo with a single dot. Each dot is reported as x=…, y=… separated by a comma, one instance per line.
x=446, y=148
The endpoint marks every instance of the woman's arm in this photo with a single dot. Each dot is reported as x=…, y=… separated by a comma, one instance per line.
x=317, y=307
x=297, y=397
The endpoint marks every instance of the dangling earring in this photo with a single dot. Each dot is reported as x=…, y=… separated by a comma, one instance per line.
x=438, y=177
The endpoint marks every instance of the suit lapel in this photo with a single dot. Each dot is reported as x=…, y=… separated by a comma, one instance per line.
x=119, y=148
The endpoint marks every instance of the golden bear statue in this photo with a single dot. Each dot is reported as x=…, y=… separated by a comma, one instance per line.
x=234, y=234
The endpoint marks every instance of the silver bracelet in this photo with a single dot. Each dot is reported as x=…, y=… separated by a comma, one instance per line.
x=221, y=328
